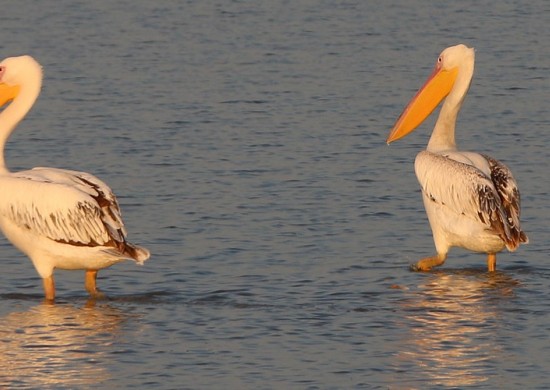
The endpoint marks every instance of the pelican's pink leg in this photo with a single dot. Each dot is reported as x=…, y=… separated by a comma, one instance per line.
x=49, y=288
x=90, y=283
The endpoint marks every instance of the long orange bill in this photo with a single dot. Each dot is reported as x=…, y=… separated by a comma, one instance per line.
x=7, y=93
x=434, y=90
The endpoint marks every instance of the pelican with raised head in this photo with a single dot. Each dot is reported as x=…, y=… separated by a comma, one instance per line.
x=58, y=218
x=472, y=200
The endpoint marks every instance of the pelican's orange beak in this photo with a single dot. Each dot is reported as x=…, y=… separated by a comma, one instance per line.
x=434, y=90
x=8, y=93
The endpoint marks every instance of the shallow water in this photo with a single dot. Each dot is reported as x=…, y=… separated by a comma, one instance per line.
x=245, y=142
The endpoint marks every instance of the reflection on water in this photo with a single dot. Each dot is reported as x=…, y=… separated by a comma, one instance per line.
x=57, y=345
x=454, y=321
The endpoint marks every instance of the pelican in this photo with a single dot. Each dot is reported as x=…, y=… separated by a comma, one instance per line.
x=59, y=218
x=472, y=200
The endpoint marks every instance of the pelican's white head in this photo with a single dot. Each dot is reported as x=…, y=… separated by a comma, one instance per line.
x=456, y=56
x=19, y=75
x=20, y=71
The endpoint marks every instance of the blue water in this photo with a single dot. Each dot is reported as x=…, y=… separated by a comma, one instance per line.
x=246, y=144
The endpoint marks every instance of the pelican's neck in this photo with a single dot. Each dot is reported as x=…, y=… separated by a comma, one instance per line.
x=443, y=135
x=14, y=113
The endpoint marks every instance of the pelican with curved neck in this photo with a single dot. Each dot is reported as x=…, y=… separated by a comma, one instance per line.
x=471, y=200
x=59, y=218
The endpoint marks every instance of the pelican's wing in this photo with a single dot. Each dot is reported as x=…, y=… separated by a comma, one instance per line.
x=66, y=206
x=508, y=191
x=467, y=191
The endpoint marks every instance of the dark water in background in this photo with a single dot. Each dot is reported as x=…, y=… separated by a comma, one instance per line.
x=245, y=141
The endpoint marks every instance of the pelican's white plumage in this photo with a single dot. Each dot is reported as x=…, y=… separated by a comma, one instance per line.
x=472, y=200
x=59, y=218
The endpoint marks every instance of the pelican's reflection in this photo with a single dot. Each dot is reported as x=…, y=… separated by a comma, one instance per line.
x=454, y=321
x=57, y=345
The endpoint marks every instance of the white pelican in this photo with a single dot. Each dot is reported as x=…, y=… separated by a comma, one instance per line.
x=58, y=218
x=472, y=200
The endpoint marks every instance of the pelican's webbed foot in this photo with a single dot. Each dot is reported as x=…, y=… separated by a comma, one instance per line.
x=428, y=263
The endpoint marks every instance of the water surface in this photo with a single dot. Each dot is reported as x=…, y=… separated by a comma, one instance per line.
x=246, y=144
